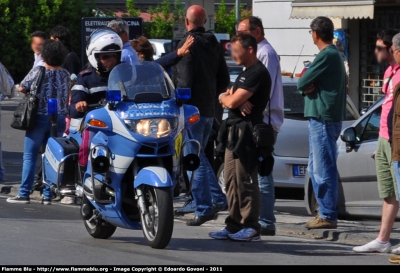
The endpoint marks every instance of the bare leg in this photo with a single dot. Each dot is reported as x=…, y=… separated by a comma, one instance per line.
x=389, y=211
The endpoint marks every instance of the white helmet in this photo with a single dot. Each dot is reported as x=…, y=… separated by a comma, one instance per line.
x=103, y=40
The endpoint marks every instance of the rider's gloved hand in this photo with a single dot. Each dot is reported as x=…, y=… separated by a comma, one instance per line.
x=81, y=106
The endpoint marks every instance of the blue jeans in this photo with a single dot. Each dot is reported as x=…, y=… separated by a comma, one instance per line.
x=267, y=190
x=33, y=140
x=322, y=165
x=205, y=188
x=267, y=218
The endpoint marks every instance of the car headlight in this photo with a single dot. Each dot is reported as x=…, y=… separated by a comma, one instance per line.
x=157, y=128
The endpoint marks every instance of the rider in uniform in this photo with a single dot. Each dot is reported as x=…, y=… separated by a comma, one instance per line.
x=104, y=53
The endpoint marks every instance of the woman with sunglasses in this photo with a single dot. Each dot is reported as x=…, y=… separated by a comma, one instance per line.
x=104, y=53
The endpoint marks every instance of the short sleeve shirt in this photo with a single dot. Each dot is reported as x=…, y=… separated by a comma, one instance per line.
x=390, y=79
x=255, y=79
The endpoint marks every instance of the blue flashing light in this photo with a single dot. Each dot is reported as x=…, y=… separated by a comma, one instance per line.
x=183, y=94
x=113, y=95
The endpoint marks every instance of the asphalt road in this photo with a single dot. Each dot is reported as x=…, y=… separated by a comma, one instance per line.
x=54, y=235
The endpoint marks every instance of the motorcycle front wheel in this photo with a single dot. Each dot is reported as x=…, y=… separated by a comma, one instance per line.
x=158, y=222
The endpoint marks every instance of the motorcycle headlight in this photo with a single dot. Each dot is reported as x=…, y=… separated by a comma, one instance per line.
x=156, y=128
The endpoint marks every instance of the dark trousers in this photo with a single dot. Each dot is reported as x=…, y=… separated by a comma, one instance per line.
x=243, y=195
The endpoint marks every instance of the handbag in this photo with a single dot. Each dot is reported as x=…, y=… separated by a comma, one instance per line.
x=263, y=134
x=26, y=112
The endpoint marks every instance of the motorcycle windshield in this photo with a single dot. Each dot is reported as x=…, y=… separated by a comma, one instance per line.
x=140, y=83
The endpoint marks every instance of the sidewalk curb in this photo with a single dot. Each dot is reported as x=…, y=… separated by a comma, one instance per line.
x=12, y=189
x=332, y=235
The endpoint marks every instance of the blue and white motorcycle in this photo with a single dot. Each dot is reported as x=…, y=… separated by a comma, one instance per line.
x=136, y=155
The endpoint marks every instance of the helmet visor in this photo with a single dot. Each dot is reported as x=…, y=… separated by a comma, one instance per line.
x=98, y=33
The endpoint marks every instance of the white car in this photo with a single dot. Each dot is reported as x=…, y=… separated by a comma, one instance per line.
x=161, y=47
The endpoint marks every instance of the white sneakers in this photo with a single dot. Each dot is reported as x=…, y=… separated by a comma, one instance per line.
x=396, y=251
x=375, y=246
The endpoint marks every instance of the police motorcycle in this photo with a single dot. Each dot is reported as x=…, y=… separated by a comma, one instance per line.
x=136, y=155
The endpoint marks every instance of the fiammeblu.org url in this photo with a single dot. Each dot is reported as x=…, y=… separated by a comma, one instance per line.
x=72, y=269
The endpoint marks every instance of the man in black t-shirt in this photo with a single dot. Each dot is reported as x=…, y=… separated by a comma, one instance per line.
x=251, y=83
x=241, y=159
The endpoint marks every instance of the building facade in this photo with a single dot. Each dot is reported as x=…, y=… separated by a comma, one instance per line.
x=287, y=25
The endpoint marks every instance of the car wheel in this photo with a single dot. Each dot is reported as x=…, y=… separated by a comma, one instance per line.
x=220, y=178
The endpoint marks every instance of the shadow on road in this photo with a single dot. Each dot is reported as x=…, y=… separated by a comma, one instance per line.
x=265, y=246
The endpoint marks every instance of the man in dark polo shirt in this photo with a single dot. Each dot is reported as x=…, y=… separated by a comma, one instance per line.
x=241, y=155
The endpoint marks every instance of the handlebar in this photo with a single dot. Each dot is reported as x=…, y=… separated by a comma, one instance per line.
x=93, y=106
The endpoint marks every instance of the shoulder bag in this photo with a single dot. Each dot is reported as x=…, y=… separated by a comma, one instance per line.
x=26, y=112
x=263, y=134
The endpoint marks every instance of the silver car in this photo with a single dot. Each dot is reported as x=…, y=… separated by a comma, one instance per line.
x=292, y=148
x=358, y=191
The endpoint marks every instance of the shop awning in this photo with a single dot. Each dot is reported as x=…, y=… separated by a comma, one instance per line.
x=343, y=9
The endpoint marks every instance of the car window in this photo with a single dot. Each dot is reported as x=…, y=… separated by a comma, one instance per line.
x=368, y=128
x=167, y=48
x=294, y=102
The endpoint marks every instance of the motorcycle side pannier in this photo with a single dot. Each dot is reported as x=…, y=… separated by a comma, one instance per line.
x=56, y=150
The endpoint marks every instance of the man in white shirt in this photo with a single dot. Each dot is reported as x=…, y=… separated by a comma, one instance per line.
x=38, y=37
x=128, y=53
x=268, y=56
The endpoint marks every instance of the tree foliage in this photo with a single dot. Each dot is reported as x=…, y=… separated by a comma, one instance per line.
x=161, y=23
x=20, y=18
x=130, y=6
x=163, y=18
x=225, y=21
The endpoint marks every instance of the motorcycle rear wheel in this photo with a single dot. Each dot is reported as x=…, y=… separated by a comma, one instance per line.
x=99, y=229
x=158, y=223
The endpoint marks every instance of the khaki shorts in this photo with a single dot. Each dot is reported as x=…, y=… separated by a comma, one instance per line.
x=387, y=186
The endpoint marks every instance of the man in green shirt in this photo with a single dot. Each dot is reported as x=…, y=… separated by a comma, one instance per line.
x=323, y=86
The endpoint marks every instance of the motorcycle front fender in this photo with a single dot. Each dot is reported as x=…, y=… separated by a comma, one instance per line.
x=153, y=176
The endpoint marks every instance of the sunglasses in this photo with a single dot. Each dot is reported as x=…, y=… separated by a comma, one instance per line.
x=107, y=56
x=380, y=48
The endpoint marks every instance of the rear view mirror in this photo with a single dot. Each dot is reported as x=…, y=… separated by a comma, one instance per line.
x=349, y=137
